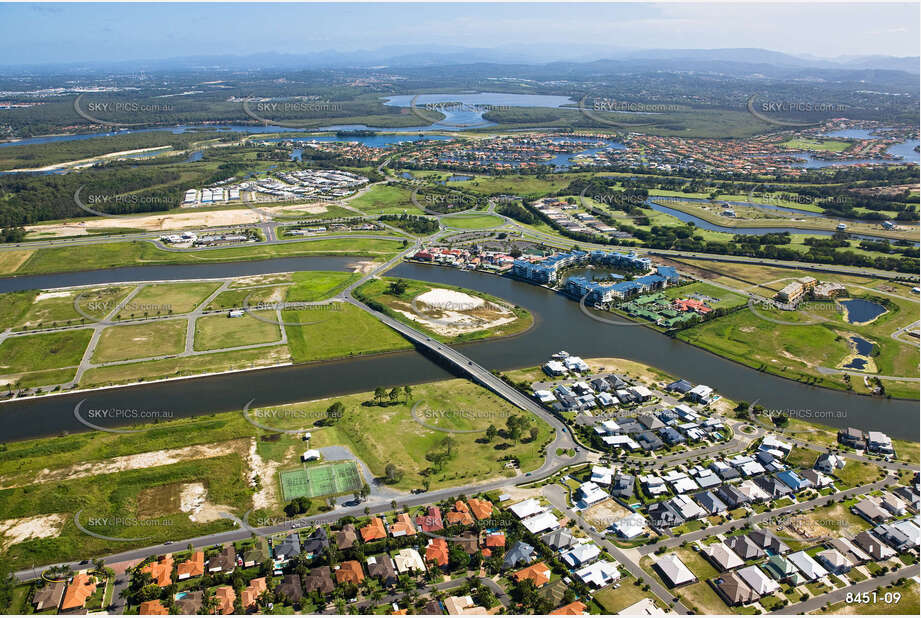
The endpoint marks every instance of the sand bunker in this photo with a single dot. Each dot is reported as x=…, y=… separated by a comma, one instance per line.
x=36, y=527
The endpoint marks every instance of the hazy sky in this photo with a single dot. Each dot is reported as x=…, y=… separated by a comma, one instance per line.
x=36, y=33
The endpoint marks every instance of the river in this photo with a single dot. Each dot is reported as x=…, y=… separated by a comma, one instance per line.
x=559, y=324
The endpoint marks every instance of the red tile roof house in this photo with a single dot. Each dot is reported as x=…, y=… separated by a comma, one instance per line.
x=481, y=508
x=437, y=552
x=225, y=598
x=431, y=521
x=251, y=593
x=80, y=589
x=161, y=571
x=460, y=515
x=374, y=530
x=350, y=571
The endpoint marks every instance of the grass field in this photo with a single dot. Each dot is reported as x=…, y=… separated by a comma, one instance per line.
x=613, y=600
x=139, y=253
x=230, y=299
x=817, y=145
x=185, y=366
x=318, y=285
x=155, y=338
x=386, y=199
x=30, y=353
x=56, y=308
x=472, y=222
x=111, y=500
x=213, y=332
x=166, y=298
x=348, y=331
x=331, y=479
x=726, y=299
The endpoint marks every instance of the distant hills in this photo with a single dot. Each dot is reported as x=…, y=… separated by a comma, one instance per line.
x=744, y=60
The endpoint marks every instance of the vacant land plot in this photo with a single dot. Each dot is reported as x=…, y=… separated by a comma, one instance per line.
x=386, y=199
x=112, y=255
x=382, y=434
x=715, y=297
x=12, y=260
x=213, y=332
x=172, y=297
x=472, y=222
x=156, y=338
x=330, y=479
x=235, y=298
x=186, y=366
x=317, y=285
x=348, y=331
x=856, y=473
x=56, y=308
x=45, y=351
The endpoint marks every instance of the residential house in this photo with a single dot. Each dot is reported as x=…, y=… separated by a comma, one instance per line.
x=752, y=491
x=153, y=608
x=225, y=561
x=662, y=515
x=810, y=569
x=482, y=509
x=381, y=567
x=833, y=560
x=744, y=547
x=346, y=537
x=581, y=554
x=854, y=554
x=878, y=442
x=374, y=531
x=870, y=509
x=250, y=595
x=558, y=539
x=589, y=493
x=576, y=608
x=818, y=479
x=539, y=574
x=161, y=571
x=783, y=570
x=257, y=553
x=724, y=470
x=519, y=553
x=431, y=521
x=408, y=560
x=731, y=495
x=760, y=583
x=710, y=502
x=49, y=596
x=854, y=438
x=602, y=475
x=773, y=487
x=436, y=552
x=623, y=486
x=734, y=590
x=723, y=558
x=599, y=574
x=526, y=508
x=191, y=603
x=193, y=567
x=463, y=606
x=289, y=547
x=350, y=572
x=793, y=480
x=629, y=526
x=403, y=526
x=873, y=547
x=316, y=543
x=225, y=597
x=650, y=422
x=541, y=522
x=892, y=504
x=767, y=540
x=320, y=580
x=673, y=571
x=469, y=541
x=829, y=463
x=290, y=589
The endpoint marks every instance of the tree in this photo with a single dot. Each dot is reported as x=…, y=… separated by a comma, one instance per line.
x=334, y=412
x=393, y=473
x=394, y=394
x=407, y=392
x=491, y=433
x=533, y=432
x=379, y=393
x=448, y=445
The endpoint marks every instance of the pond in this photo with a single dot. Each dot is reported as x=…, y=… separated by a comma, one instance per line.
x=860, y=311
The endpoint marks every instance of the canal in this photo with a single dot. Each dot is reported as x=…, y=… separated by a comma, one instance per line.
x=559, y=324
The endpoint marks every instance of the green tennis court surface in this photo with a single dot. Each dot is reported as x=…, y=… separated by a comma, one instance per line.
x=322, y=480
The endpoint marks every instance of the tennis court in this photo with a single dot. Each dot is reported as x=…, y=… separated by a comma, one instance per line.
x=322, y=480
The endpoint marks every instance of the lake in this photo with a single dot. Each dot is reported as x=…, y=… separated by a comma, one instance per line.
x=860, y=310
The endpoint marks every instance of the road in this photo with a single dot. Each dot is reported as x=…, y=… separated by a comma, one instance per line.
x=835, y=596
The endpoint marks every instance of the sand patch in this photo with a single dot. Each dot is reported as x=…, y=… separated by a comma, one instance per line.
x=258, y=280
x=450, y=313
x=193, y=500
x=313, y=209
x=35, y=527
x=130, y=462
x=153, y=223
x=364, y=266
x=265, y=471
x=47, y=295
x=604, y=513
